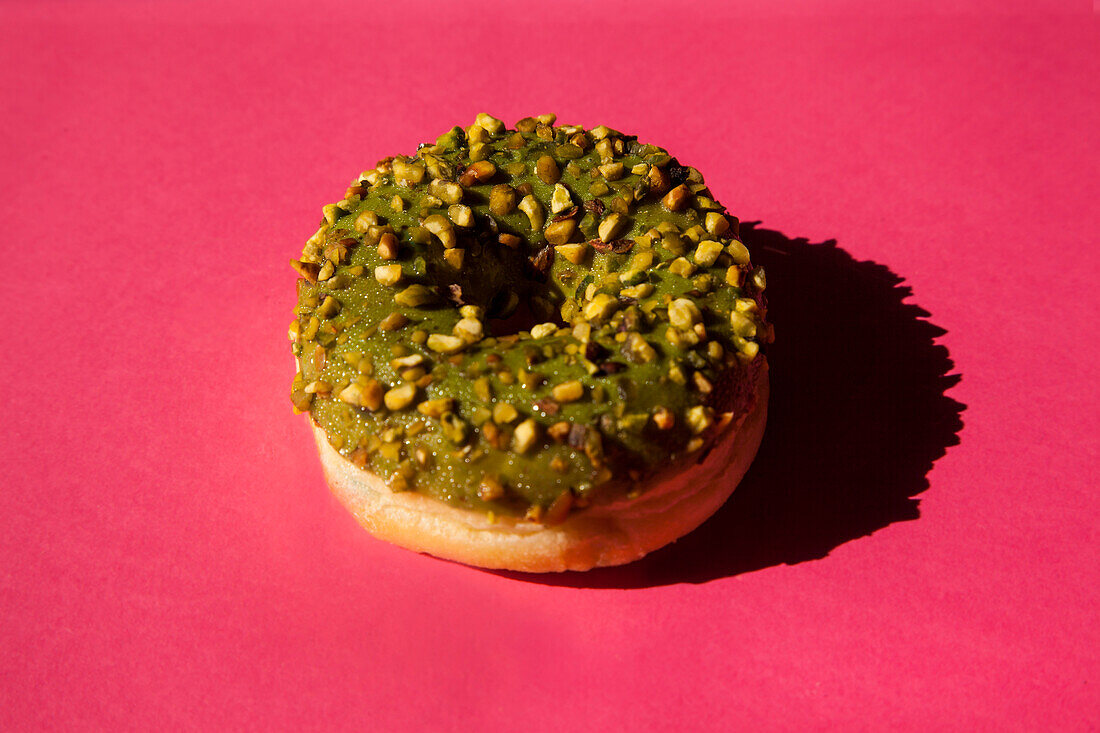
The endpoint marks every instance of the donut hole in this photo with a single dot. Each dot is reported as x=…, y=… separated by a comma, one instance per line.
x=512, y=292
x=527, y=313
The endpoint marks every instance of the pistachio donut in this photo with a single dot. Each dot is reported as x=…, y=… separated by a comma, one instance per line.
x=535, y=348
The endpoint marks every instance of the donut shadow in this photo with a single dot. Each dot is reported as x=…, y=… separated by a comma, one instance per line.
x=858, y=414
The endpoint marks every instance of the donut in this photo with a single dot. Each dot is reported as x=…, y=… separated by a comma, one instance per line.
x=536, y=349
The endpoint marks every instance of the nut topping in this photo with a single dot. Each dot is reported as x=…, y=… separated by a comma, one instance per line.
x=436, y=273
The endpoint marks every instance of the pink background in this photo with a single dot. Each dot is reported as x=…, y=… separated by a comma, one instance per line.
x=170, y=556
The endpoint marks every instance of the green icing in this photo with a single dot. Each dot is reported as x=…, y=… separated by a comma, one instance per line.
x=493, y=421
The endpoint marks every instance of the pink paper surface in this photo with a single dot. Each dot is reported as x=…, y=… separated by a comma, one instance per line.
x=171, y=558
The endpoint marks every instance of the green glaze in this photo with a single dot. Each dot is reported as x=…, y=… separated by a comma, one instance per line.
x=650, y=397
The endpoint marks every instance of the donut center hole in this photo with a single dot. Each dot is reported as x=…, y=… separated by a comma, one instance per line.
x=527, y=313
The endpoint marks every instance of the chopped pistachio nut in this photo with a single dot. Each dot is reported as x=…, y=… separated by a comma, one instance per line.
x=560, y=199
x=311, y=327
x=455, y=257
x=677, y=198
x=639, y=291
x=354, y=394
x=318, y=386
x=743, y=326
x=429, y=202
x=682, y=267
x=531, y=206
x=372, y=394
x=716, y=223
x=400, y=397
x=502, y=199
x=707, y=252
x=392, y=322
x=414, y=296
x=575, y=253
x=469, y=330
x=415, y=374
x=461, y=215
x=403, y=362
x=490, y=488
x=483, y=389
x=640, y=350
x=307, y=270
x=329, y=308
x=454, y=428
x=559, y=509
x=739, y=252
x=606, y=150
x=365, y=220
x=388, y=275
x=600, y=307
x=611, y=171
x=677, y=374
x=388, y=246
x=681, y=338
x=570, y=391
x=445, y=344
x=560, y=232
x=446, y=191
x=663, y=418
x=745, y=305
x=489, y=123
x=543, y=330
x=699, y=418
x=759, y=279
x=546, y=168
x=504, y=413
x=695, y=234
x=600, y=132
x=525, y=436
x=436, y=408
x=611, y=227
x=408, y=172
x=442, y=228
x=479, y=151
x=477, y=134
x=481, y=171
